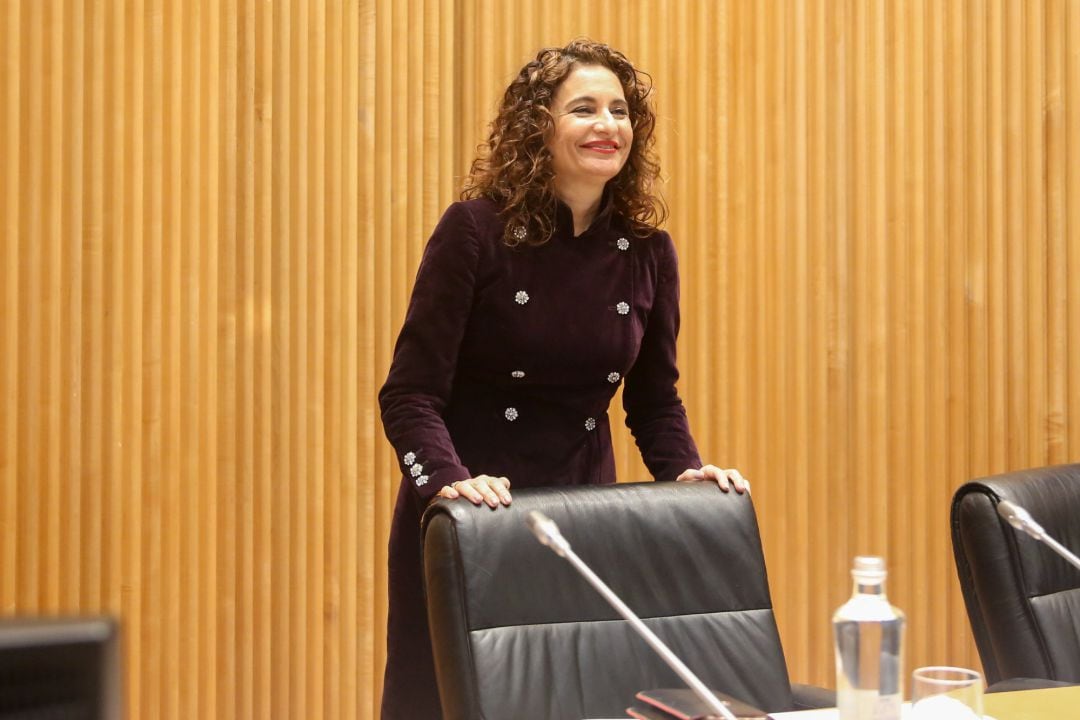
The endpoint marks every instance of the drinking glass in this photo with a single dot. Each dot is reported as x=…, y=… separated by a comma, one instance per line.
x=946, y=693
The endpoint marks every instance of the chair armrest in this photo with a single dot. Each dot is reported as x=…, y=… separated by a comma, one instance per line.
x=812, y=697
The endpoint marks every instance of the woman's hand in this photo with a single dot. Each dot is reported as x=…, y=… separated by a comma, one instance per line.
x=480, y=489
x=726, y=479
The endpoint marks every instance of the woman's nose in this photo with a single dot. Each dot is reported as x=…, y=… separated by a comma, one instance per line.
x=605, y=120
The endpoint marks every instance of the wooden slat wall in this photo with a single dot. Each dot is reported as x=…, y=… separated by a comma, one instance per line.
x=212, y=213
x=186, y=433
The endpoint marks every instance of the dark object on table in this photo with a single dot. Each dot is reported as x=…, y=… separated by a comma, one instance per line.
x=683, y=704
x=59, y=669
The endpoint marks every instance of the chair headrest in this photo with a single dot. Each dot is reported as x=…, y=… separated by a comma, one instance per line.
x=694, y=548
x=1052, y=496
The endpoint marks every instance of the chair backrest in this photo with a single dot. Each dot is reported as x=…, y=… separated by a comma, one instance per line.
x=1023, y=600
x=518, y=633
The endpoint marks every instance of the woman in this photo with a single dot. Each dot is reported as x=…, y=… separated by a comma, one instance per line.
x=540, y=293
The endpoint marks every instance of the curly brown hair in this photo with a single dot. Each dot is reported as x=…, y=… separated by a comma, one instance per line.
x=514, y=167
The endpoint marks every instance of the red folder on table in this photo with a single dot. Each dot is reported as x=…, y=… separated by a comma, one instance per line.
x=684, y=704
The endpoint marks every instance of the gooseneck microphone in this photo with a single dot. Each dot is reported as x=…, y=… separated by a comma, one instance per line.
x=1021, y=519
x=547, y=532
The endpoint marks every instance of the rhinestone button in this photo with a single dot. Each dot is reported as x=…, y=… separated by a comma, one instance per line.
x=519, y=232
x=521, y=297
x=416, y=470
x=409, y=458
x=623, y=244
x=422, y=480
x=511, y=414
x=517, y=374
x=613, y=377
x=590, y=424
x=622, y=308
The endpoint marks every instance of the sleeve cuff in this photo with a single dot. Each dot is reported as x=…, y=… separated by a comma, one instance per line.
x=427, y=485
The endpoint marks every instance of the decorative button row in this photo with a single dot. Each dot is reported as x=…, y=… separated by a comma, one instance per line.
x=511, y=414
x=521, y=298
x=623, y=244
x=416, y=470
x=612, y=377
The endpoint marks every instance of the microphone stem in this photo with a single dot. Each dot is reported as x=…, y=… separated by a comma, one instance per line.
x=650, y=637
x=1061, y=550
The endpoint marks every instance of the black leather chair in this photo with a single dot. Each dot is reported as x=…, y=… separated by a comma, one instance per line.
x=518, y=633
x=1022, y=599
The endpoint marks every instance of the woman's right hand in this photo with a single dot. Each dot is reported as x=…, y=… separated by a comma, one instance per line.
x=480, y=489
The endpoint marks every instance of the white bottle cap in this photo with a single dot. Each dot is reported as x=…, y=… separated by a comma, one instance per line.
x=868, y=569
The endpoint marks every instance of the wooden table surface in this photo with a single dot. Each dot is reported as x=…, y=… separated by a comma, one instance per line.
x=1046, y=704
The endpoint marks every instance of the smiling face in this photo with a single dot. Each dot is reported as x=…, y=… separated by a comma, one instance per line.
x=592, y=134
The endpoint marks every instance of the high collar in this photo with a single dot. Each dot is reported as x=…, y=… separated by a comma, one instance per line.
x=564, y=217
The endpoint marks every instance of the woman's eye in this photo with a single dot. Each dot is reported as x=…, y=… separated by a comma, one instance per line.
x=582, y=111
x=620, y=112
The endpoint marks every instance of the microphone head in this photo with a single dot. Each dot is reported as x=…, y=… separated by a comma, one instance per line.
x=547, y=532
x=1008, y=512
x=1020, y=519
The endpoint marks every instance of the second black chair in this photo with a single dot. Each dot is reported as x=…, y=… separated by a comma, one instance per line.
x=1023, y=600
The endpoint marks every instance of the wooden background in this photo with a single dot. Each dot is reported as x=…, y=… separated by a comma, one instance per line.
x=212, y=212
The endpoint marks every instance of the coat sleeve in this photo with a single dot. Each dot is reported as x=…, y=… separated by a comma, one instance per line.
x=421, y=376
x=654, y=412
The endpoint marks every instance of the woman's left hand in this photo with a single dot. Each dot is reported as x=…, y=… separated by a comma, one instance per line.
x=726, y=479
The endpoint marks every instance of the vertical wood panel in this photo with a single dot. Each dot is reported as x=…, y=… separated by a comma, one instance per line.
x=211, y=216
x=1056, y=246
x=898, y=345
x=281, y=407
x=371, y=617
x=916, y=433
x=265, y=580
x=1071, y=103
x=816, y=370
x=10, y=77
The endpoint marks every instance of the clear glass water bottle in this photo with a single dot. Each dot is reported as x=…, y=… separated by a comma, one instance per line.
x=869, y=648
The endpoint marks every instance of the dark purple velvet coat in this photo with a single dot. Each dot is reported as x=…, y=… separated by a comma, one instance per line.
x=505, y=365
